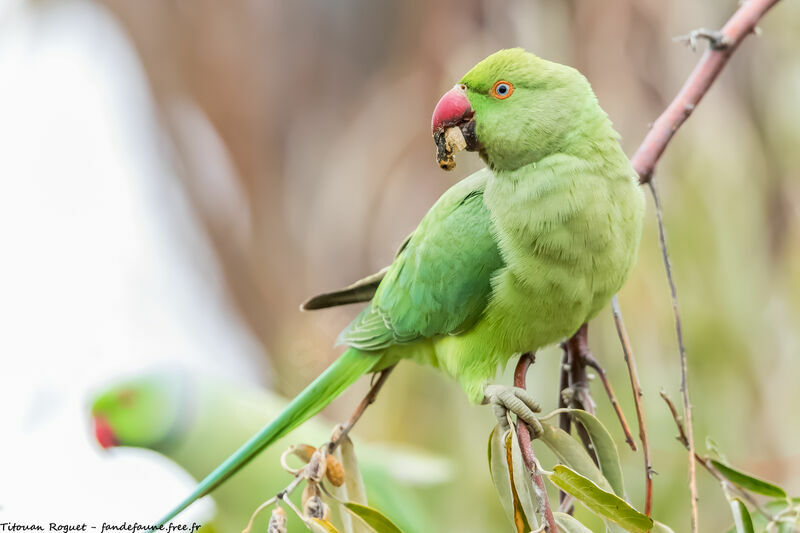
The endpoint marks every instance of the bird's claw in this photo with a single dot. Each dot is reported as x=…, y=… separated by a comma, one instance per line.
x=504, y=399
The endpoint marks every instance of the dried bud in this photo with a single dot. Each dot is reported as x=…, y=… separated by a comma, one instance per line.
x=315, y=470
x=315, y=508
x=303, y=451
x=277, y=522
x=311, y=490
x=334, y=471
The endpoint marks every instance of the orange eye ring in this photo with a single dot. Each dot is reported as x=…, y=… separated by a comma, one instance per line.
x=502, y=89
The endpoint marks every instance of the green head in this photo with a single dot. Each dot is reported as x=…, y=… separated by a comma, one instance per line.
x=515, y=108
x=145, y=412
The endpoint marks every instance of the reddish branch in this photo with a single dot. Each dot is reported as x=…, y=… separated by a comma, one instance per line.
x=741, y=24
x=722, y=46
x=524, y=439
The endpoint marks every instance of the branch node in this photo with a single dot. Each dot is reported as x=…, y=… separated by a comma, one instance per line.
x=716, y=39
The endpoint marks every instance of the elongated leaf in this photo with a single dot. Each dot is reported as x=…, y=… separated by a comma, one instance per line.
x=499, y=470
x=605, y=448
x=570, y=452
x=373, y=518
x=317, y=525
x=501, y=465
x=741, y=517
x=658, y=527
x=748, y=482
x=526, y=492
x=353, y=488
x=569, y=524
x=787, y=524
x=603, y=502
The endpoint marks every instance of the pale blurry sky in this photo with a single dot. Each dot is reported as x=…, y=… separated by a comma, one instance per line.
x=103, y=271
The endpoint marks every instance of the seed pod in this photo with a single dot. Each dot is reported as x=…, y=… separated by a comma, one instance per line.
x=334, y=471
x=303, y=451
x=311, y=490
x=277, y=522
x=315, y=508
x=315, y=470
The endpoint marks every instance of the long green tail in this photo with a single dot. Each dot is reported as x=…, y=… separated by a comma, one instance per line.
x=340, y=375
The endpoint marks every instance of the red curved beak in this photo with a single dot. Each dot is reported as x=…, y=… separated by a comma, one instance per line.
x=452, y=109
x=103, y=433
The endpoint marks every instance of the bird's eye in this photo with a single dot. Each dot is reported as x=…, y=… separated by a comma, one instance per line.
x=502, y=89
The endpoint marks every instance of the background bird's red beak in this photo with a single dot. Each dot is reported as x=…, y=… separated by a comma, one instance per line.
x=452, y=109
x=103, y=432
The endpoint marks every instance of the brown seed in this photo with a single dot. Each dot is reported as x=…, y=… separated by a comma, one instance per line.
x=334, y=471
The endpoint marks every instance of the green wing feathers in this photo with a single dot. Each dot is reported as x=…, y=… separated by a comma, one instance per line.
x=440, y=282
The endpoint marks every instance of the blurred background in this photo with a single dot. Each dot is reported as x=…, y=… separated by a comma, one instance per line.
x=178, y=176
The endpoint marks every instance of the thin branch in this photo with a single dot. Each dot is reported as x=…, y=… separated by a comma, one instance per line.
x=637, y=400
x=704, y=461
x=524, y=439
x=564, y=420
x=722, y=45
x=579, y=395
x=741, y=24
x=366, y=402
x=687, y=406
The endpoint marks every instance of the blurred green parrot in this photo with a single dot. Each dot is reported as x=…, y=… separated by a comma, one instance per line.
x=197, y=421
x=513, y=258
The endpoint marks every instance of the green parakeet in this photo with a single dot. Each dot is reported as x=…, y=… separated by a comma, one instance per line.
x=515, y=257
x=196, y=422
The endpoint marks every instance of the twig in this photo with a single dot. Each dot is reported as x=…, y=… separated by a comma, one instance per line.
x=564, y=420
x=339, y=434
x=579, y=395
x=637, y=400
x=588, y=359
x=722, y=45
x=366, y=402
x=682, y=438
x=687, y=406
x=524, y=439
x=741, y=24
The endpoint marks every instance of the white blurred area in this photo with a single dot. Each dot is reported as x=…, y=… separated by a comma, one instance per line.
x=103, y=269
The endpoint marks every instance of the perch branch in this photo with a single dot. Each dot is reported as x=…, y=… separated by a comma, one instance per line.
x=723, y=44
x=637, y=400
x=524, y=439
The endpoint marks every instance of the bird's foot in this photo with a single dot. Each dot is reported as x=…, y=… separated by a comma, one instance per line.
x=504, y=399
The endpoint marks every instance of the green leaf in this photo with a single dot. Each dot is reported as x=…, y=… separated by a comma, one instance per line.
x=603, y=502
x=570, y=452
x=526, y=492
x=499, y=470
x=605, y=448
x=658, y=527
x=373, y=518
x=748, y=482
x=741, y=517
x=787, y=523
x=501, y=465
x=317, y=525
x=569, y=524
